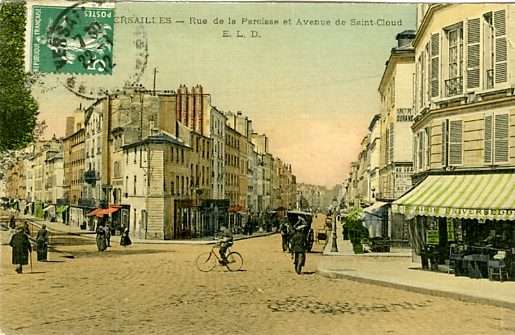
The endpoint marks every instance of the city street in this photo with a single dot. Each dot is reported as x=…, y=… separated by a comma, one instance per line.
x=157, y=289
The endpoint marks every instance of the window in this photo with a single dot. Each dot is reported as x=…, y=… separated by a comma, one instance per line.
x=454, y=82
x=135, y=183
x=434, y=66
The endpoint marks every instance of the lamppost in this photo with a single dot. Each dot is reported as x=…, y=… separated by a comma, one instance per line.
x=334, y=247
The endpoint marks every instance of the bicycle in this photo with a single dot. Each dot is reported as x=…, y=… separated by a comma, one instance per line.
x=206, y=261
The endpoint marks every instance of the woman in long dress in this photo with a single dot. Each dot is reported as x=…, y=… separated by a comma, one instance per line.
x=101, y=238
x=125, y=239
x=42, y=244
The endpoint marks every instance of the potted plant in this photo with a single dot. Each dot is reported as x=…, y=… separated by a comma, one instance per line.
x=358, y=234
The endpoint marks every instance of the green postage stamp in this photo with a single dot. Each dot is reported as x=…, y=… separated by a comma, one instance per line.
x=75, y=39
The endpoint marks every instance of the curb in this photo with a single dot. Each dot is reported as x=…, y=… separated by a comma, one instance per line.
x=422, y=290
x=199, y=242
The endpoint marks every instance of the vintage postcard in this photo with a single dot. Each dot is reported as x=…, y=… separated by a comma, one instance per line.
x=257, y=167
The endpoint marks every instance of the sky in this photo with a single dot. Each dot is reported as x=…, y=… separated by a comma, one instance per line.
x=312, y=89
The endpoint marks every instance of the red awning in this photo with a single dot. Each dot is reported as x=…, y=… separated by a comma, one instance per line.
x=111, y=209
x=100, y=212
x=235, y=209
x=95, y=211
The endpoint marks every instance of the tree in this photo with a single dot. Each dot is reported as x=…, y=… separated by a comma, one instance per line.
x=18, y=110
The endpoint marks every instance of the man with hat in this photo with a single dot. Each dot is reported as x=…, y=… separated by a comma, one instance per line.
x=21, y=249
x=299, y=244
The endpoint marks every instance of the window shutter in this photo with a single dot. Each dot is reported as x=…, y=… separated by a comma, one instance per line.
x=473, y=52
x=501, y=48
x=455, y=142
x=428, y=147
x=420, y=153
x=501, y=138
x=444, y=143
x=487, y=154
x=434, y=65
x=415, y=150
x=390, y=143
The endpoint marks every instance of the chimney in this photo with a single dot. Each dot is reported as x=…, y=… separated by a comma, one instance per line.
x=405, y=38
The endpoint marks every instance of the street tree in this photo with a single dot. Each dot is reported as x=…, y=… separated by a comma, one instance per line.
x=18, y=109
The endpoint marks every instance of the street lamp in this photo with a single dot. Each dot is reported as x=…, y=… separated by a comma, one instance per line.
x=334, y=247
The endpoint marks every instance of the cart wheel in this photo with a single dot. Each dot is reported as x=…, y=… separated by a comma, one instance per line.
x=311, y=239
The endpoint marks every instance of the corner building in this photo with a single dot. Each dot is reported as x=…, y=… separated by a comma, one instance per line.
x=464, y=130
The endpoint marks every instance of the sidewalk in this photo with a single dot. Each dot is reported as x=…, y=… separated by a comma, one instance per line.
x=396, y=270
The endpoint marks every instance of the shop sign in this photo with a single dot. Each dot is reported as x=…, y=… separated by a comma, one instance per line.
x=450, y=230
x=433, y=237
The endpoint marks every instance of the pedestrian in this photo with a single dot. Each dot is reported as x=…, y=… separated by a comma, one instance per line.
x=42, y=244
x=299, y=247
x=108, y=235
x=12, y=222
x=26, y=228
x=285, y=231
x=101, y=238
x=125, y=240
x=21, y=247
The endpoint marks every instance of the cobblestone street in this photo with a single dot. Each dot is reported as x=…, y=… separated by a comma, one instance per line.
x=157, y=289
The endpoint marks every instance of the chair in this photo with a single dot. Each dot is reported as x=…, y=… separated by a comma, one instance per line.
x=498, y=267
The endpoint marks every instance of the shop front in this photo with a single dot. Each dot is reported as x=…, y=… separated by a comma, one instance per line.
x=466, y=222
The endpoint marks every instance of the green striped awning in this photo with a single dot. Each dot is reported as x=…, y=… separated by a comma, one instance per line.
x=480, y=196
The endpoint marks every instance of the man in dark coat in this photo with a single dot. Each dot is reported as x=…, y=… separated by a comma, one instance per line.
x=21, y=249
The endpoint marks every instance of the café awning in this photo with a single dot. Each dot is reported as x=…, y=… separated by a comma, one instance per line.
x=62, y=209
x=101, y=211
x=375, y=208
x=477, y=196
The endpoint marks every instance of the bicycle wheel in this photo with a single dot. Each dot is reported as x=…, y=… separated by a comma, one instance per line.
x=234, y=261
x=206, y=262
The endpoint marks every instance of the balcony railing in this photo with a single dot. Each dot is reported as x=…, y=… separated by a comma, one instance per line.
x=490, y=78
x=453, y=86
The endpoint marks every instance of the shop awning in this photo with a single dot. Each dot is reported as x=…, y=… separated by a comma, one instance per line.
x=479, y=196
x=233, y=209
x=62, y=209
x=100, y=212
x=95, y=211
x=48, y=208
x=375, y=208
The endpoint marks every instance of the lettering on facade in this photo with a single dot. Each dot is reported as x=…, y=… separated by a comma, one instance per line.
x=404, y=114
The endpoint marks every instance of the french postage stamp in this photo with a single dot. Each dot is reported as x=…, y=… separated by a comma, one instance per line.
x=75, y=39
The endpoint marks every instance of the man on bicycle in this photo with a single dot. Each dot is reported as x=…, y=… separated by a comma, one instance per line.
x=226, y=240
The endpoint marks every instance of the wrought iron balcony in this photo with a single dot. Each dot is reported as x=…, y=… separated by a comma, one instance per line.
x=454, y=86
x=90, y=176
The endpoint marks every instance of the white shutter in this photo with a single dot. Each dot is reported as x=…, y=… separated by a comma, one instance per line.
x=428, y=147
x=501, y=48
x=487, y=154
x=455, y=142
x=415, y=150
x=473, y=52
x=444, y=144
x=501, y=131
x=434, y=65
x=390, y=143
x=420, y=153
